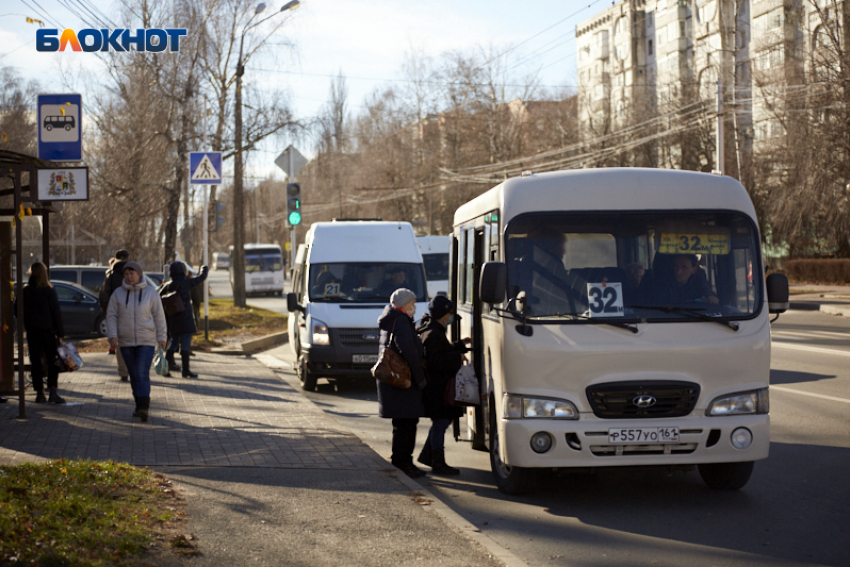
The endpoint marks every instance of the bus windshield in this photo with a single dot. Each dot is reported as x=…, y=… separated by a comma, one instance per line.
x=436, y=266
x=364, y=282
x=263, y=260
x=663, y=266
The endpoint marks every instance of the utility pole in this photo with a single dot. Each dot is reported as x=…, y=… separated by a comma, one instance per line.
x=720, y=153
x=238, y=260
x=206, y=239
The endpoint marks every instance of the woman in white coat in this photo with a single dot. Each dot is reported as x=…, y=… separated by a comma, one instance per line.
x=135, y=323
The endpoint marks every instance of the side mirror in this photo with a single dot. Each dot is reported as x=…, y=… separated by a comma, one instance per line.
x=78, y=297
x=777, y=293
x=494, y=282
x=292, y=303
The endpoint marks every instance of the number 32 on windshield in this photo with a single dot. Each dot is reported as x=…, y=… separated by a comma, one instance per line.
x=605, y=299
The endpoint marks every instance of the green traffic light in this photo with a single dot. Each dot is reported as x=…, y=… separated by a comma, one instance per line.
x=294, y=218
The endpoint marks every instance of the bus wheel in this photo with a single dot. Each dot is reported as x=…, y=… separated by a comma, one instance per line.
x=307, y=378
x=726, y=476
x=509, y=480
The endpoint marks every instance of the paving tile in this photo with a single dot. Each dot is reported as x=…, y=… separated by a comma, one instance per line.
x=237, y=414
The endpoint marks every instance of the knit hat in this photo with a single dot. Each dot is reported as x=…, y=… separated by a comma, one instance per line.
x=133, y=266
x=121, y=254
x=439, y=306
x=401, y=297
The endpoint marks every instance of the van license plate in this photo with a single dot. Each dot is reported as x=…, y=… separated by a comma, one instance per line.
x=364, y=358
x=624, y=435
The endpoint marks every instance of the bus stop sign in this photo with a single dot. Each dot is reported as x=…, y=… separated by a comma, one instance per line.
x=60, y=127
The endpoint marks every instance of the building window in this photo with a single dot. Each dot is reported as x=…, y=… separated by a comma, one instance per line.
x=649, y=48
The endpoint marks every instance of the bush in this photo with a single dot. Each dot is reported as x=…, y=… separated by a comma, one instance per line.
x=828, y=271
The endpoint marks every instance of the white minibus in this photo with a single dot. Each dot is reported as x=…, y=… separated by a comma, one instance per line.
x=435, y=255
x=263, y=269
x=619, y=317
x=343, y=277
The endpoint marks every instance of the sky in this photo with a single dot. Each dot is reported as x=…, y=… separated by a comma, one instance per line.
x=365, y=41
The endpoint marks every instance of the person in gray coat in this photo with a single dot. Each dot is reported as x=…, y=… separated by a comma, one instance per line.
x=403, y=406
x=135, y=323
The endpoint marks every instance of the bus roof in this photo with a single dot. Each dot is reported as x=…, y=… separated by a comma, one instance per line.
x=359, y=241
x=433, y=244
x=610, y=189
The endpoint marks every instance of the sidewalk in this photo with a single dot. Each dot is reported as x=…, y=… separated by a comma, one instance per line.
x=830, y=299
x=268, y=477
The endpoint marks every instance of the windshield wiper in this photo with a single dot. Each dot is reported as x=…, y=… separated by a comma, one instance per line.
x=603, y=320
x=695, y=312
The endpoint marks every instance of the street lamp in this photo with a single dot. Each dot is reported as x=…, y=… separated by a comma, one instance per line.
x=238, y=201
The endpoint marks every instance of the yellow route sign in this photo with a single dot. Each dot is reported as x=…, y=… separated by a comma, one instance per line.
x=694, y=244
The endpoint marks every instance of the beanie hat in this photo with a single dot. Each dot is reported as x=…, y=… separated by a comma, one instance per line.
x=133, y=266
x=439, y=306
x=122, y=254
x=401, y=297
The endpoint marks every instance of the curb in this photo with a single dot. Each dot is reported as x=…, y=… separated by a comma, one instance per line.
x=264, y=343
x=836, y=309
x=803, y=306
x=436, y=505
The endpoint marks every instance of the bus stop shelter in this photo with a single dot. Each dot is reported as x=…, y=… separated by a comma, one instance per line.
x=18, y=173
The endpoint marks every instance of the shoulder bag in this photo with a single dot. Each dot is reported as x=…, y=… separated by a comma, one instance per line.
x=172, y=304
x=391, y=367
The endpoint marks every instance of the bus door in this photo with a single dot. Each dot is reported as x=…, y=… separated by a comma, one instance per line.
x=470, y=256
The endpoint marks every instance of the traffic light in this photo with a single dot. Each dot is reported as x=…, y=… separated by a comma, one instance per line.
x=293, y=204
x=219, y=215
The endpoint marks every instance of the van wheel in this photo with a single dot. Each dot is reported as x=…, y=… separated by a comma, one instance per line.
x=307, y=378
x=726, y=476
x=512, y=481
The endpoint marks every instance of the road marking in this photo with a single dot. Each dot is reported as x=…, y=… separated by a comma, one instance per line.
x=271, y=361
x=810, y=349
x=793, y=391
x=813, y=334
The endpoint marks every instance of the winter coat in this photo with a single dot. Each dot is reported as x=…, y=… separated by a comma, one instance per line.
x=41, y=309
x=112, y=280
x=395, y=402
x=442, y=361
x=183, y=322
x=135, y=316
x=671, y=292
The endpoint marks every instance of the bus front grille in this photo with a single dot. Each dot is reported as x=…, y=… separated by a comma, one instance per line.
x=630, y=400
x=364, y=337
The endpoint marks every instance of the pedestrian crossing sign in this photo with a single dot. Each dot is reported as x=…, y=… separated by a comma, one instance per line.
x=205, y=168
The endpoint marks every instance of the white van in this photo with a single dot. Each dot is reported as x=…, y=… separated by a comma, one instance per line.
x=221, y=261
x=619, y=317
x=435, y=255
x=343, y=277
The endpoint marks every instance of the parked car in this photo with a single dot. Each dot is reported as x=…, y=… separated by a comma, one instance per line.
x=221, y=261
x=80, y=312
x=90, y=277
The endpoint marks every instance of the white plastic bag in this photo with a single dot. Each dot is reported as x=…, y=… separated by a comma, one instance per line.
x=465, y=387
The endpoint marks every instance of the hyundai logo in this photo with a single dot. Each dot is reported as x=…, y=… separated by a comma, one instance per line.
x=371, y=337
x=644, y=401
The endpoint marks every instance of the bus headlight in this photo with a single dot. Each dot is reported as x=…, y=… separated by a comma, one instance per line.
x=515, y=407
x=742, y=403
x=320, y=333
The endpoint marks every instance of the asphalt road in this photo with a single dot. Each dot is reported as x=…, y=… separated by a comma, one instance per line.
x=794, y=511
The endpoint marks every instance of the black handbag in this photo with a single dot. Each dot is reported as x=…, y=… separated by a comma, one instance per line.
x=172, y=304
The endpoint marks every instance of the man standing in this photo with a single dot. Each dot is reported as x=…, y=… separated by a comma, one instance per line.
x=112, y=281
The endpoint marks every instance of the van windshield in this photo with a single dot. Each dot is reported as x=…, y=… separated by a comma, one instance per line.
x=436, y=266
x=663, y=266
x=364, y=282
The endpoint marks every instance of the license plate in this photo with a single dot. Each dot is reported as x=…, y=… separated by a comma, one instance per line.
x=630, y=435
x=364, y=358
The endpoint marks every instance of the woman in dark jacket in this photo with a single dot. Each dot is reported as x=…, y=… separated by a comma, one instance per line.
x=442, y=361
x=403, y=406
x=43, y=323
x=181, y=327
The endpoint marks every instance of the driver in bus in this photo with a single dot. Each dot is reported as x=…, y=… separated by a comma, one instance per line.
x=397, y=280
x=549, y=292
x=689, y=283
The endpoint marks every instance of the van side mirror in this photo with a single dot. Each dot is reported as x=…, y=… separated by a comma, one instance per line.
x=292, y=303
x=777, y=293
x=494, y=282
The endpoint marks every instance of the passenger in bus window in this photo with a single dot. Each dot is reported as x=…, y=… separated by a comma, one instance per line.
x=688, y=283
x=549, y=291
x=396, y=280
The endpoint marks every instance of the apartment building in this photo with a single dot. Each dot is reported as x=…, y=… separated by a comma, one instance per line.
x=643, y=58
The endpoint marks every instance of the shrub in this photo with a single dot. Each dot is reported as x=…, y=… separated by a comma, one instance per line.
x=827, y=271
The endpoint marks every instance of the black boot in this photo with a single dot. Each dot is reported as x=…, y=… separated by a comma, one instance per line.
x=410, y=470
x=440, y=467
x=54, y=397
x=172, y=366
x=136, y=410
x=425, y=455
x=187, y=372
x=144, y=406
x=39, y=397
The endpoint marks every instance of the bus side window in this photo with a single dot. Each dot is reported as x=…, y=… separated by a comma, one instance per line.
x=459, y=265
x=469, y=279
